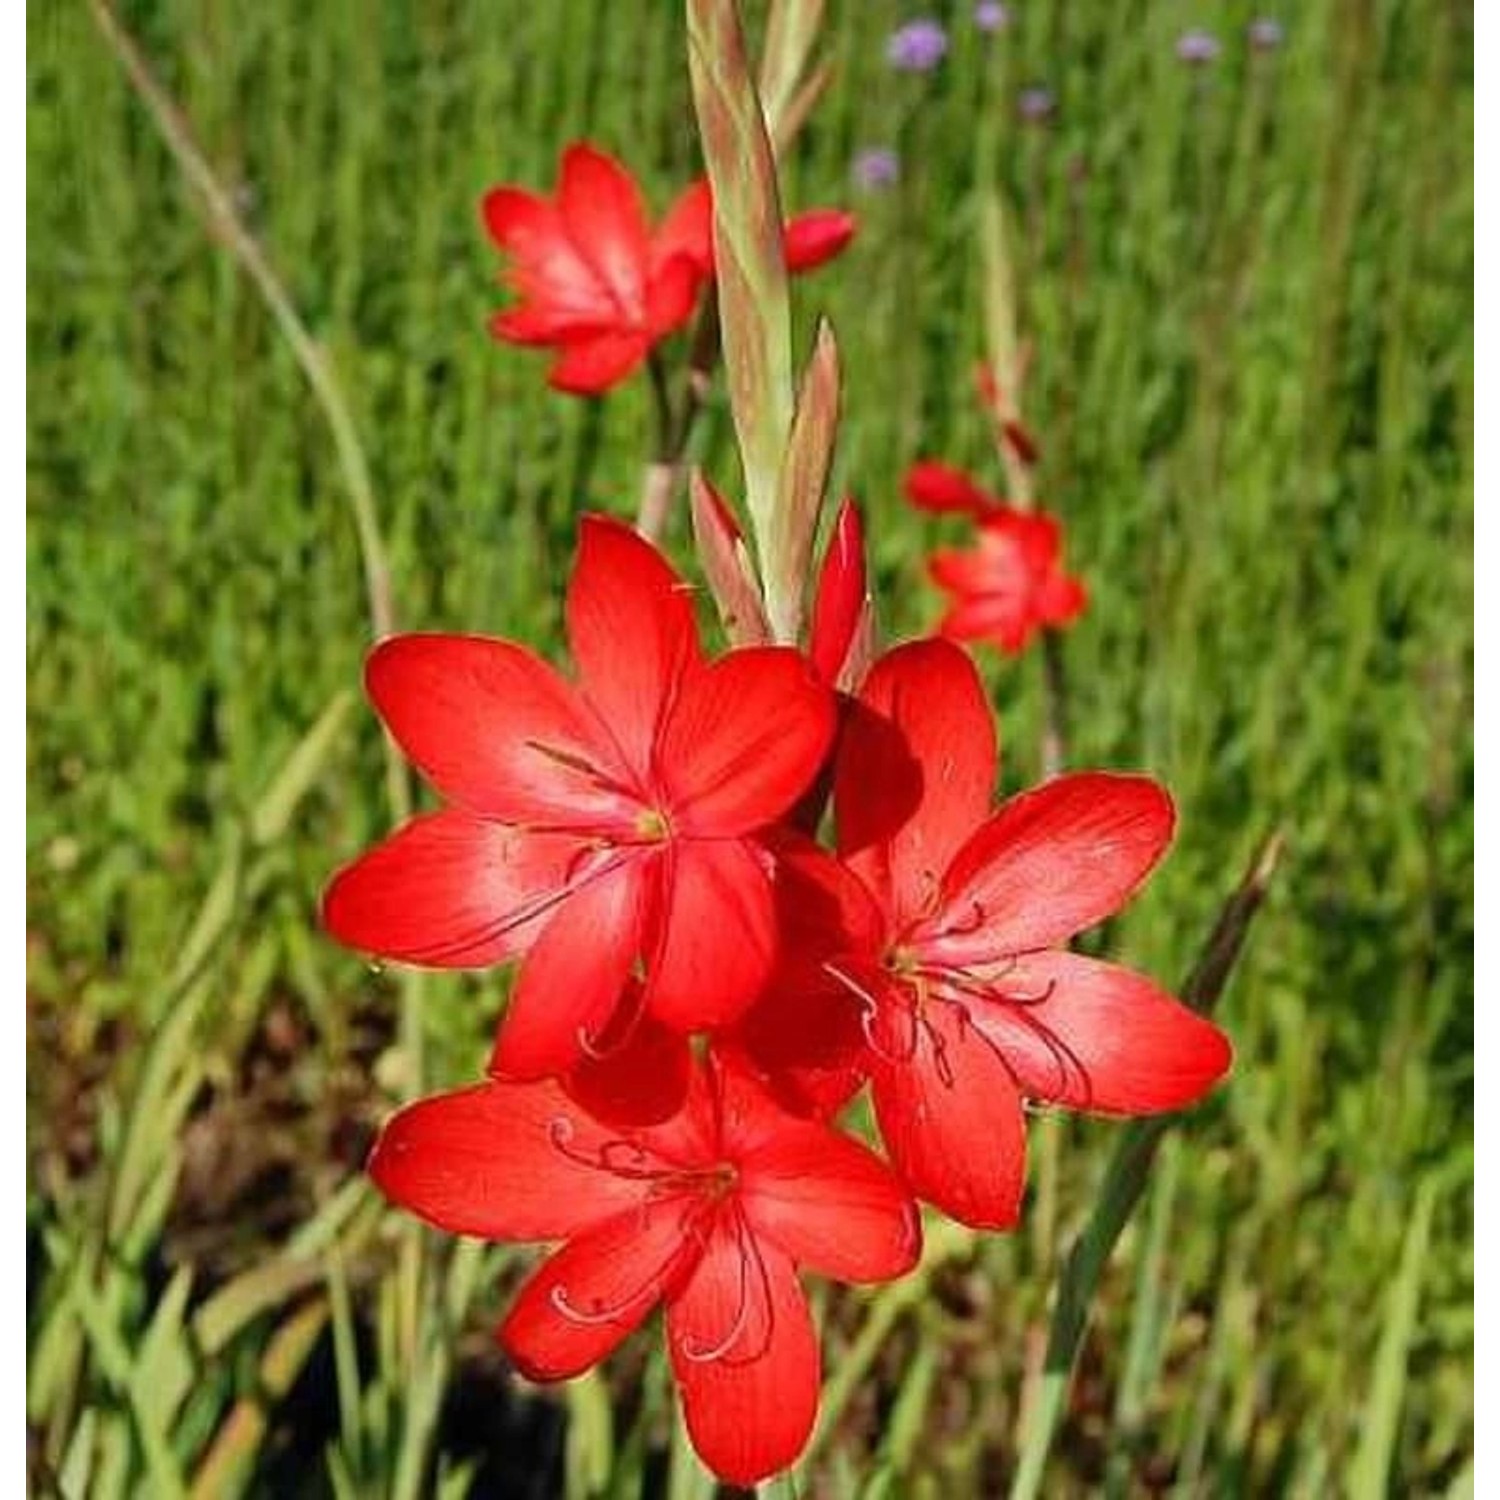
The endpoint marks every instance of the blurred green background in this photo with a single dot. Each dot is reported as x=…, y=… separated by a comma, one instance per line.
x=1249, y=288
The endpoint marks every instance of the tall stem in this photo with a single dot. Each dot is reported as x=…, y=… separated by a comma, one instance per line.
x=675, y=421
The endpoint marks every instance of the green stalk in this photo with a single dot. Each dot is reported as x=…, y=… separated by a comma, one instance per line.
x=754, y=307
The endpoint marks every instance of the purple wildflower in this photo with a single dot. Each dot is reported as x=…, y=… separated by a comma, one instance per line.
x=1036, y=105
x=1266, y=33
x=1198, y=47
x=917, y=47
x=876, y=167
x=991, y=15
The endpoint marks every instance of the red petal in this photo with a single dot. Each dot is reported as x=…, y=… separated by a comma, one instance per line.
x=688, y=230
x=495, y=728
x=1037, y=535
x=941, y=488
x=840, y=597
x=1062, y=599
x=606, y=221
x=520, y=222
x=916, y=768
x=816, y=237
x=803, y=1033
x=583, y=1301
x=717, y=943
x=995, y=620
x=632, y=632
x=533, y=324
x=589, y=366
x=950, y=1115
x=826, y=1200
x=489, y=1160
x=638, y=1079
x=575, y=974
x=980, y=572
x=1094, y=1036
x=671, y=296
x=1050, y=863
x=743, y=740
x=745, y=1355
x=450, y=891
x=548, y=272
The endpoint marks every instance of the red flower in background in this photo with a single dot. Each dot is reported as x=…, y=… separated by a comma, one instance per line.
x=593, y=825
x=711, y=1213
x=596, y=284
x=934, y=960
x=1011, y=583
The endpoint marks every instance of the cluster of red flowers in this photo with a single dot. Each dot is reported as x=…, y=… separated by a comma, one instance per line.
x=703, y=987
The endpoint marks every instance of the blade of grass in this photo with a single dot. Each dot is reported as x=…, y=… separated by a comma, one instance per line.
x=1370, y=1473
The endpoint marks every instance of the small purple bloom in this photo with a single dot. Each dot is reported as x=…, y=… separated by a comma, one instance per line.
x=991, y=15
x=876, y=167
x=1036, y=105
x=917, y=47
x=1198, y=47
x=1266, y=33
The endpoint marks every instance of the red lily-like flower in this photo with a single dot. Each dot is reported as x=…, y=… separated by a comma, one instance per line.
x=594, y=282
x=1011, y=583
x=940, y=957
x=711, y=1213
x=590, y=825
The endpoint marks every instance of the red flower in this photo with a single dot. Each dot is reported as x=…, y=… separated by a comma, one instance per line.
x=594, y=283
x=940, y=954
x=809, y=240
x=1012, y=582
x=711, y=1212
x=592, y=824
x=597, y=285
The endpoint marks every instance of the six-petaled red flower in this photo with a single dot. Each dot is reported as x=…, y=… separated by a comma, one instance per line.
x=932, y=958
x=596, y=284
x=709, y=1213
x=1011, y=582
x=595, y=826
